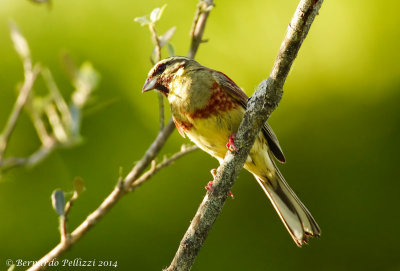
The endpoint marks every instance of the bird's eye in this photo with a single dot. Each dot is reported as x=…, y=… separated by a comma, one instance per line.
x=161, y=68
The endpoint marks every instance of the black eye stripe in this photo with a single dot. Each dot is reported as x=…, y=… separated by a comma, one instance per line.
x=161, y=68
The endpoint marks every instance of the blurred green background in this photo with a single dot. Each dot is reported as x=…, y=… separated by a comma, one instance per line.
x=338, y=124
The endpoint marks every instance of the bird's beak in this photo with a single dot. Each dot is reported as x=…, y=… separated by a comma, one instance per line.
x=149, y=84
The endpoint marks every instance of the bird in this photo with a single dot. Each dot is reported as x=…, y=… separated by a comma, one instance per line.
x=207, y=107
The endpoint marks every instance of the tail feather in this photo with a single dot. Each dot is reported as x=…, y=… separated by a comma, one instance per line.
x=294, y=215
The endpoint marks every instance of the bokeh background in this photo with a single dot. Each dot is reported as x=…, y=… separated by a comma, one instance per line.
x=338, y=124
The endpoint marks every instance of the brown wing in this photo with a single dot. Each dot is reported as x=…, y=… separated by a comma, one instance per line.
x=238, y=94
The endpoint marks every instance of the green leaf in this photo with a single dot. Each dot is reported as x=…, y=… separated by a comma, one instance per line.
x=171, y=49
x=20, y=43
x=157, y=13
x=76, y=117
x=167, y=36
x=142, y=20
x=79, y=185
x=85, y=82
x=58, y=201
x=164, y=40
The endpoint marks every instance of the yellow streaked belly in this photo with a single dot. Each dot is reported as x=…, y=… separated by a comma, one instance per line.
x=212, y=133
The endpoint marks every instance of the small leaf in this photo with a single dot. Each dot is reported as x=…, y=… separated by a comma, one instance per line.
x=79, y=185
x=171, y=49
x=154, y=14
x=76, y=117
x=11, y=268
x=58, y=201
x=20, y=43
x=86, y=81
x=161, y=12
x=164, y=40
x=167, y=36
x=209, y=8
x=142, y=20
x=157, y=13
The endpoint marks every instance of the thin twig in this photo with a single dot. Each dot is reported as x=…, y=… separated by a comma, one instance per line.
x=157, y=167
x=36, y=157
x=54, y=108
x=157, y=45
x=261, y=105
x=40, y=127
x=30, y=77
x=59, y=101
x=199, y=22
x=122, y=188
x=55, y=121
x=64, y=218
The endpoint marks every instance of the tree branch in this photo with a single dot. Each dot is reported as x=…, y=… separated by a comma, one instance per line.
x=157, y=45
x=36, y=157
x=30, y=77
x=124, y=186
x=260, y=106
x=157, y=167
x=63, y=127
x=64, y=217
x=199, y=22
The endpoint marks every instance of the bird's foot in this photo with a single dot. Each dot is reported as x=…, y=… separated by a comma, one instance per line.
x=209, y=186
x=231, y=143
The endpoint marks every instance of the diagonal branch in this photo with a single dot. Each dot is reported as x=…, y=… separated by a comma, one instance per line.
x=157, y=167
x=123, y=187
x=260, y=107
x=30, y=77
x=43, y=152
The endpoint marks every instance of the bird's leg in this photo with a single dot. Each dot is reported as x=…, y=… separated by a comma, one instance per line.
x=231, y=144
x=210, y=183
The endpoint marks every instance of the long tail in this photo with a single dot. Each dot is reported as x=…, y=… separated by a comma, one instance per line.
x=297, y=219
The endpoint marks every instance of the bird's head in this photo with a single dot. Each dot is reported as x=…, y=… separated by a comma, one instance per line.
x=161, y=75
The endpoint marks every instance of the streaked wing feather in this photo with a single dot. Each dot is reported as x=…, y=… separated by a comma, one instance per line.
x=238, y=94
x=273, y=143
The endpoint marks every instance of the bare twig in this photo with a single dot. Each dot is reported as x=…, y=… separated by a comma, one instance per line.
x=157, y=45
x=30, y=77
x=156, y=41
x=55, y=121
x=157, y=167
x=36, y=157
x=261, y=105
x=64, y=218
x=199, y=22
x=63, y=127
x=40, y=127
x=59, y=101
x=122, y=188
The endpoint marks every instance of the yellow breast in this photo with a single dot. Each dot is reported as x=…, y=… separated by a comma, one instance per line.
x=211, y=134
